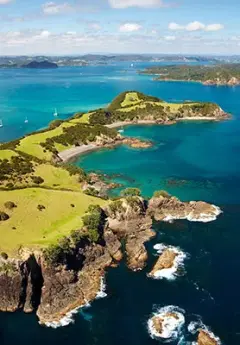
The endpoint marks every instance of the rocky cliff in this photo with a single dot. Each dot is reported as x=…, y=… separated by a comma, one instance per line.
x=32, y=284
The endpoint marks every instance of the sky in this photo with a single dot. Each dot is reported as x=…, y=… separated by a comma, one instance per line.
x=65, y=27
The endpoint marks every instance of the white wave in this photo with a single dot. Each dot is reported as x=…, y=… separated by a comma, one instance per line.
x=171, y=326
x=172, y=272
x=203, y=217
x=67, y=319
x=195, y=326
x=102, y=291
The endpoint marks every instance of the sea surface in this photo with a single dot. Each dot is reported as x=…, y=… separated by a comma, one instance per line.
x=194, y=161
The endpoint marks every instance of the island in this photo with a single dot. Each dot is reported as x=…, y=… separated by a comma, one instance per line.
x=220, y=74
x=40, y=65
x=60, y=230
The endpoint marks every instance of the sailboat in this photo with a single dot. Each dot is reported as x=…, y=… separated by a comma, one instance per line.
x=26, y=120
x=55, y=112
x=1, y=124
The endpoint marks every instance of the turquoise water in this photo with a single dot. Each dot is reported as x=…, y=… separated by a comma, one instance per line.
x=190, y=160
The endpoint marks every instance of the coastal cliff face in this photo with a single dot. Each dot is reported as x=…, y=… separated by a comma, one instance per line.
x=52, y=291
x=204, y=338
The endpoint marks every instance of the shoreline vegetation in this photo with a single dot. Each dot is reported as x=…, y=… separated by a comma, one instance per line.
x=59, y=264
x=219, y=75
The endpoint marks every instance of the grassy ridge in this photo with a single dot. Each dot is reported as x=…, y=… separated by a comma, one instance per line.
x=27, y=226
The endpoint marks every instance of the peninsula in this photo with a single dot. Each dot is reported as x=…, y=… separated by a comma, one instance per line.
x=222, y=74
x=59, y=230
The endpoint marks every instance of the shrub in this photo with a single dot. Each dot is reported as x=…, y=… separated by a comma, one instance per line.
x=116, y=206
x=4, y=256
x=131, y=192
x=10, y=205
x=37, y=179
x=41, y=207
x=55, y=124
x=52, y=254
x=94, y=208
x=3, y=216
x=91, y=191
x=162, y=193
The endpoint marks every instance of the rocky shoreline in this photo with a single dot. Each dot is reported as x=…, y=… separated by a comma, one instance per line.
x=53, y=291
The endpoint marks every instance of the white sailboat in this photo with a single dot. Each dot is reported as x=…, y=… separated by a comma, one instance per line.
x=26, y=120
x=1, y=124
x=121, y=130
x=55, y=112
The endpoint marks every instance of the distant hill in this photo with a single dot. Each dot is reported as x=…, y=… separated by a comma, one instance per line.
x=40, y=65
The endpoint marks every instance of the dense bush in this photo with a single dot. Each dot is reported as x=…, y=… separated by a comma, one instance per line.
x=91, y=191
x=10, y=205
x=37, y=179
x=162, y=193
x=131, y=192
x=55, y=123
x=4, y=255
x=3, y=216
x=17, y=166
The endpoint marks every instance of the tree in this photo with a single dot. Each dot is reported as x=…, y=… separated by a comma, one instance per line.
x=3, y=216
x=10, y=205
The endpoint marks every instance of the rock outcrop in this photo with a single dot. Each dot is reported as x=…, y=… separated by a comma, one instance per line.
x=204, y=338
x=171, y=208
x=165, y=261
x=127, y=218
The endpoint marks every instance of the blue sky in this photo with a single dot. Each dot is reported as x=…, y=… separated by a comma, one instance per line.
x=119, y=26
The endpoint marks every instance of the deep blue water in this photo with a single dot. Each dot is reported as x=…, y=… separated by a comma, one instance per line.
x=190, y=160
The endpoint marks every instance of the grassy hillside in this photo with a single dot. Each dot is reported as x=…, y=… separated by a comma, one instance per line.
x=30, y=227
x=133, y=106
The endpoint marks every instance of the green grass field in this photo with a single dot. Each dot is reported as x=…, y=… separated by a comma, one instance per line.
x=131, y=98
x=7, y=154
x=32, y=228
x=30, y=144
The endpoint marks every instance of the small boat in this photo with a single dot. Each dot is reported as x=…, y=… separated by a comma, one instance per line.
x=1, y=124
x=121, y=130
x=55, y=112
x=26, y=120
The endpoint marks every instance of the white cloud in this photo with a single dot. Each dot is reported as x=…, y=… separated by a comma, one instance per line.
x=4, y=2
x=130, y=27
x=170, y=38
x=135, y=3
x=195, y=26
x=214, y=27
x=175, y=26
x=44, y=34
x=52, y=8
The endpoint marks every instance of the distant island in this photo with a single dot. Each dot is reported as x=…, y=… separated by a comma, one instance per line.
x=107, y=59
x=223, y=74
x=59, y=228
x=41, y=65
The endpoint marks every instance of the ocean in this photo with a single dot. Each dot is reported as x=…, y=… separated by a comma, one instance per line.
x=194, y=161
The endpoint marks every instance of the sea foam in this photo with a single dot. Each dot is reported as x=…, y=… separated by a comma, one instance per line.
x=173, y=272
x=171, y=326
